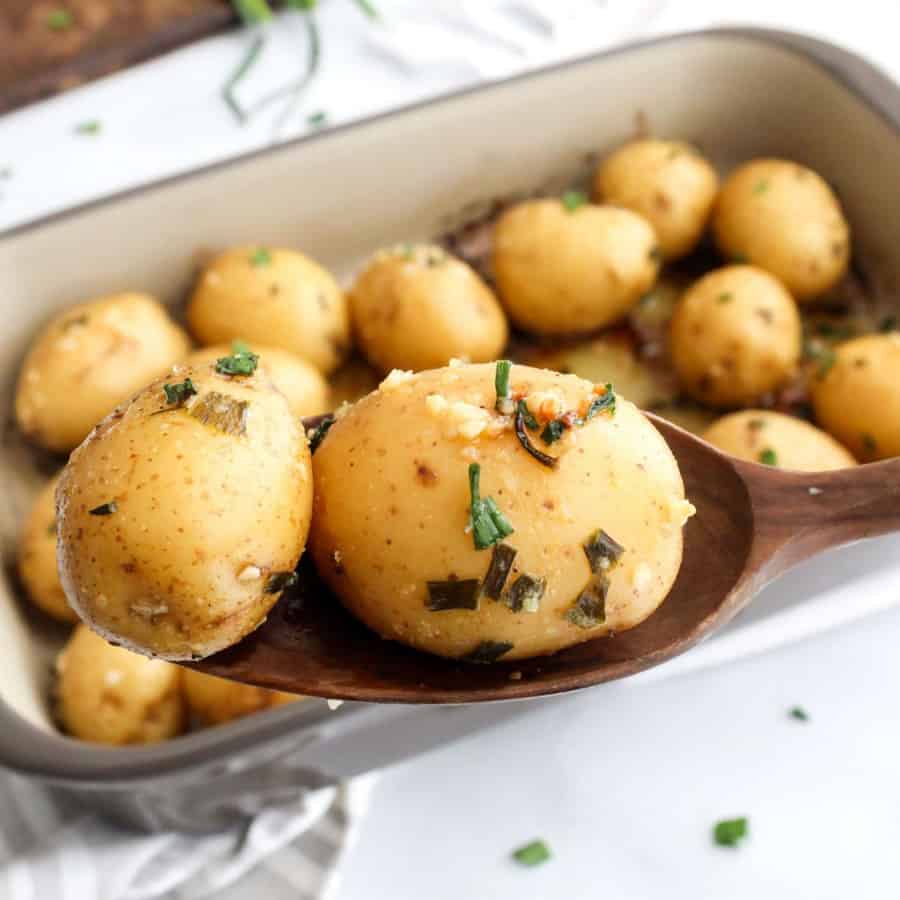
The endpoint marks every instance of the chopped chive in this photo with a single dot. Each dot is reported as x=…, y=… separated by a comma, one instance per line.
x=768, y=457
x=602, y=403
x=553, y=431
x=280, y=581
x=91, y=127
x=498, y=571
x=452, y=594
x=530, y=421
x=572, y=200
x=602, y=551
x=761, y=186
x=504, y=403
x=317, y=120
x=243, y=67
x=489, y=525
x=60, y=19
x=525, y=593
x=799, y=713
x=368, y=8
x=589, y=610
x=178, y=393
x=239, y=346
x=532, y=854
x=252, y=11
x=726, y=297
x=319, y=433
x=543, y=458
x=242, y=362
x=260, y=257
x=104, y=509
x=487, y=652
x=730, y=832
x=224, y=413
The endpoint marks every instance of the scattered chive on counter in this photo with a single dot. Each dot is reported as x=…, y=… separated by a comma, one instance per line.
x=317, y=120
x=91, y=127
x=532, y=854
x=730, y=832
x=489, y=525
x=799, y=713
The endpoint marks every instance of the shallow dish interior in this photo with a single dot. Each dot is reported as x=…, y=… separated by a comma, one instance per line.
x=417, y=174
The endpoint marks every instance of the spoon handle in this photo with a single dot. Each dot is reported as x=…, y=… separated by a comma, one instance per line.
x=799, y=514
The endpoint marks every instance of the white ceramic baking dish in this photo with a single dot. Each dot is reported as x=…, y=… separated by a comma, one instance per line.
x=339, y=195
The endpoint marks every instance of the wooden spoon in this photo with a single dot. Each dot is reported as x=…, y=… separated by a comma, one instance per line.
x=753, y=522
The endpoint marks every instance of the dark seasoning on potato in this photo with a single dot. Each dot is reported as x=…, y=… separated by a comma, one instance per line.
x=479, y=510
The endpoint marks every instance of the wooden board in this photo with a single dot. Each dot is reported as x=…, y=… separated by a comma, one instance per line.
x=38, y=60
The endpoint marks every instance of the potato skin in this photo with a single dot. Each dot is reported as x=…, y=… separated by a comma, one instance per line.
x=569, y=272
x=203, y=517
x=273, y=297
x=214, y=701
x=784, y=218
x=735, y=335
x=109, y=695
x=667, y=182
x=89, y=358
x=417, y=307
x=858, y=399
x=754, y=434
x=301, y=383
x=37, y=557
x=392, y=506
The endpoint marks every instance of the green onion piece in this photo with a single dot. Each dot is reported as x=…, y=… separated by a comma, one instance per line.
x=487, y=652
x=91, y=127
x=452, y=594
x=553, y=431
x=602, y=551
x=761, y=186
x=252, y=11
x=317, y=120
x=243, y=67
x=59, y=19
x=280, y=581
x=799, y=713
x=243, y=362
x=525, y=593
x=589, y=610
x=730, y=832
x=532, y=854
x=178, y=393
x=605, y=402
x=239, y=346
x=368, y=8
x=104, y=509
x=321, y=430
x=489, y=525
x=260, y=257
x=768, y=457
x=543, y=458
x=224, y=413
x=498, y=571
x=571, y=200
x=527, y=416
x=504, y=403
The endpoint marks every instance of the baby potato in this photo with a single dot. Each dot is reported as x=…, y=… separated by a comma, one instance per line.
x=735, y=335
x=109, y=695
x=858, y=398
x=301, y=383
x=416, y=307
x=402, y=541
x=353, y=380
x=215, y=701
x=89, y=358
x=277, y=298
x=772, y=438
x=784, y=218
x=668, y=182
x=564, y=267
x=37, y=557
x=182, y=517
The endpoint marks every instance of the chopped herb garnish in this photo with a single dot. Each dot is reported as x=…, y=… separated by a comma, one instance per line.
x=525, y=593
x=487, y=652
x=555, y=428
x=244, y=66
x=452, y=594
x=730, y=832
x=571, y=200
x=242, y=362
x=489, y=525
x=768, y=457
x=280, y=581
x=761, y=186
x=91, y=127
x=498, y=571
x=602, y=551
x=799, y=713
x=178, y=393
x=319, y=433
x=252, y=11
x=530, y=421
x=504, y=403
x=532, y=854
x=368, y=8
x=727, y=297
x=602, y=403
x=104, y=509
x=553, y=431
x=59, y=19
x=870, y=445
x=317, y=120
x=888, y=323
x=260, y=257
x=222, y=412
x=521, y=434
x=589, y=610
x=239, y=346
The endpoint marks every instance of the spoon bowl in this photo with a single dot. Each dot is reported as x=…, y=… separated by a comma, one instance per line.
x=753, y=522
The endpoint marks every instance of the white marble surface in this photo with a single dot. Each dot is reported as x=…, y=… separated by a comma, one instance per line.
x=623, y=781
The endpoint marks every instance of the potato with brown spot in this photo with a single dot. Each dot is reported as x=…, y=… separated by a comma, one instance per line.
x=89, y=358
x=735, y=335
x=772, y=438
x=273, y=297
x=109, y=695
x=417, y=307
x=214, y=701
x=667, y=182
x=182, y=516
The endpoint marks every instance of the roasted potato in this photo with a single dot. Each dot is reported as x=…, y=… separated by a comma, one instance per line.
x=214, y=701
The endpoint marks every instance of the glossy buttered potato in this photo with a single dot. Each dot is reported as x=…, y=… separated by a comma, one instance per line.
x=182, y=517
x=302, y=384
x=89, y=358
x=785, y=218
x=417, y=307
x=564, y=269
x=37, y=557
x=858, y=398
x=273, y=297
x=394, y=474
x=668, y=182
x=735, y=335
x=214, y=701
x=774, y=439
x=109, y=695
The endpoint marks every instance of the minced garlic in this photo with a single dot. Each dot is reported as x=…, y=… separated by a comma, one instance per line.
x=394, y=378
